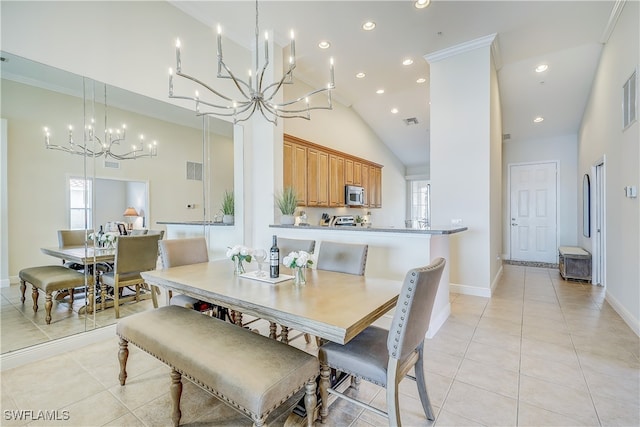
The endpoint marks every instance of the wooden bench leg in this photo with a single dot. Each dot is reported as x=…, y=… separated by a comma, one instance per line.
x=123, y=355
x=176, y=393
x=284, y=335
x=310, y=401
x=23, y=288
x=34, y=296
x=325, y=372
x=48, y=303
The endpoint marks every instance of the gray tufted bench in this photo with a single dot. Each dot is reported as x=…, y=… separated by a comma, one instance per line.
x=248, y=371
x=50, y=278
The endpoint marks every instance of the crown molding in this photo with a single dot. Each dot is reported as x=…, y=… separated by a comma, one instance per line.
x=461, y=48
x=613, y=20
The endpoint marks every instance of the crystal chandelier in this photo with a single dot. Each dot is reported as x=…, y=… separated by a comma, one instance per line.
x=253, y=94
x=93, y=146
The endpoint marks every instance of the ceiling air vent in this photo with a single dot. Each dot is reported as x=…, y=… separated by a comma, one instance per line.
x=410, y=121
x=112, y=165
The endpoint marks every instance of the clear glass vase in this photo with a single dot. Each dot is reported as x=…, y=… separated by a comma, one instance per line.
x=239, y=267
x=300, y=277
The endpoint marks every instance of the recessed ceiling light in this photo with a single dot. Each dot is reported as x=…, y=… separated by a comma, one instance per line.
x=407, y=61
x=542, y=67
x=538, y=119
x=324, y=44
x=380, y=91
x=368, y=26
x=394, y=110
x=360, y=75
x=421, y=80
x=421, y=4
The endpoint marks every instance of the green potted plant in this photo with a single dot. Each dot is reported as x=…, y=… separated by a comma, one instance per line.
x=287, y=201
x=228, y=207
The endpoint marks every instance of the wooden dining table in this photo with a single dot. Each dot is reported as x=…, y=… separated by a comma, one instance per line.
x=333, y=306
x=80, y=254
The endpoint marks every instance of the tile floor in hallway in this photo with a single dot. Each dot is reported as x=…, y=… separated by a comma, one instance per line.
x=541, y=352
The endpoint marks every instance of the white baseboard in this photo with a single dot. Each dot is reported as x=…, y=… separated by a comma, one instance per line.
x=628, y=318
x=438, y=320
x=5, y=283
x=34, y=353
x=470, y=290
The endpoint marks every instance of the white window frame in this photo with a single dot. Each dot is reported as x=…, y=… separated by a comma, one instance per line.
x=80, y=203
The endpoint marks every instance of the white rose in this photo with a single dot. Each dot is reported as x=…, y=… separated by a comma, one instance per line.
x=229, y=253
x=244, y=251
x=287, y=260
x=302, y=259
x=235, y=250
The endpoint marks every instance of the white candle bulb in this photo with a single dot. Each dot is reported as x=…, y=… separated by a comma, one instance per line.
x=178, y=62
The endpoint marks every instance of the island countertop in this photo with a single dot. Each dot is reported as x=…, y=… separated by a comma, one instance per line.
x=217, y=224
x=374, y=229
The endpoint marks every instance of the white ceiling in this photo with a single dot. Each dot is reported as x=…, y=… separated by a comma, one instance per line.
x=566, y=35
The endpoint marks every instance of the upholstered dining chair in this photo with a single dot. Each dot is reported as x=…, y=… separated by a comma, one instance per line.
x=134, y=254
x=177, y=252
x=343, y=257
x=72, y=238
x=385, y=357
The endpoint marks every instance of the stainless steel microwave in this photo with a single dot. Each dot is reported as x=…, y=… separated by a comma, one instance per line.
x=353, y=195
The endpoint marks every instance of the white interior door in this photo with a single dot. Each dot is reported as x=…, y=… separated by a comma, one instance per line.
x=533, y=213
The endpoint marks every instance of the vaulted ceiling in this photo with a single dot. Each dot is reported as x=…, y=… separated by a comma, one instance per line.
x=565, y=35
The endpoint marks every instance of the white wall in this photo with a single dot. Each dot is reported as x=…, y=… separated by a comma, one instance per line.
x=601, y=136
x=562, y=149
x=464, y=122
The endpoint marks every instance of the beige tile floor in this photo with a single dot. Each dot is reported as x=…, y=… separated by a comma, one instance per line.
x=540, y=352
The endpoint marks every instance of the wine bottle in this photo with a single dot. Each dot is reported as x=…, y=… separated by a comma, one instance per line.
x=274, y=259
x=100, y=234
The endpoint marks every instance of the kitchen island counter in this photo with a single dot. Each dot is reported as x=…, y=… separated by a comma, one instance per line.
x=375, y=229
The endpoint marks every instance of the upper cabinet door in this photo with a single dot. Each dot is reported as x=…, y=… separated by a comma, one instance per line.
x=336, y=180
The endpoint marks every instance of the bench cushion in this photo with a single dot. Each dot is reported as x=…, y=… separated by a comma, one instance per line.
x=250, y=371
x=52, y=277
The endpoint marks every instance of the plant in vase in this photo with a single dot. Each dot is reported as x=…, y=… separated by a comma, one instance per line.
x=239, y=254
x=298, y=261
x=287, y=201
x=228, y=207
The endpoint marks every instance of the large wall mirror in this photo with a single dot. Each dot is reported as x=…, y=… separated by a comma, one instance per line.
x=40, y=182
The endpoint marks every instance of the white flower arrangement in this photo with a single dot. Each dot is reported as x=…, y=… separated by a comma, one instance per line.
x=239, y=252
x=297, y=259
x=108, y=238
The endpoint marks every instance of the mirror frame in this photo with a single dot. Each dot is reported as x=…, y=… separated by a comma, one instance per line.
x=586, y=206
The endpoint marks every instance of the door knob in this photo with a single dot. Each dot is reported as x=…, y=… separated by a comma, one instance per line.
x=513, y=223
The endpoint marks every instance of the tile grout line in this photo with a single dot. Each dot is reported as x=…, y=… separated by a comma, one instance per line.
x=575, y=350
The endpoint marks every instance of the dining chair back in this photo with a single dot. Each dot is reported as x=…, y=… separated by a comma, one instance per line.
x=159, y=232
x=343, y=257
x=386, y=357
x=286, y=246
x=72, y=237
x=134, y=254
x=177, y=252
